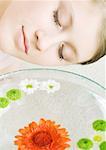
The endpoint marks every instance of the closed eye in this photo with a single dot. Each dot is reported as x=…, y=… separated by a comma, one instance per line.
x=56, y=18
x=60, y=51
x=67, y=52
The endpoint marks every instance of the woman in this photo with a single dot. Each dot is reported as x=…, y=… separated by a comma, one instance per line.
x=54, y=32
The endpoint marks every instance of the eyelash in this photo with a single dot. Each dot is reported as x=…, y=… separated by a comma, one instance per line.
x=60, y=51
x=56, y=20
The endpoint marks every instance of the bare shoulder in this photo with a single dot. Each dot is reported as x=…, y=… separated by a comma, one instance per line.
x=3, y=5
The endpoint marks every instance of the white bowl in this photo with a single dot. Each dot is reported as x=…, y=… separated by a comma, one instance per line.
x=76, y=105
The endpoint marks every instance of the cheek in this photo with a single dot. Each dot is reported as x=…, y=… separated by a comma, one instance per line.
x=86, y=48
x=49, y=57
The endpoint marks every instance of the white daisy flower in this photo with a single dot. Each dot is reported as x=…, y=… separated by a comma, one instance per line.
x=50, y=86
x=29, y=86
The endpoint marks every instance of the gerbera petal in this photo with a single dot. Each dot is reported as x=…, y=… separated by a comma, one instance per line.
x=33, y=126
x=42, y=121
x=23, y=132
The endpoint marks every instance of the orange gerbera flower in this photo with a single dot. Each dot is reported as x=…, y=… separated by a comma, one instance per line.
x=43, y=136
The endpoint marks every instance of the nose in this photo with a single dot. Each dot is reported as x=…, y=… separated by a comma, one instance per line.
x=41, y=40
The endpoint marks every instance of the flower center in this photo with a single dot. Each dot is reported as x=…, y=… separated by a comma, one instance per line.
x=29, y=86
x=51, y=86
x=42, y=139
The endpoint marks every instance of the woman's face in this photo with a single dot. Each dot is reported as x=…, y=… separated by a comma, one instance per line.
x=51, y=32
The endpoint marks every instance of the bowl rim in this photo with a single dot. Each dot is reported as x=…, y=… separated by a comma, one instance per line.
x=58, y=70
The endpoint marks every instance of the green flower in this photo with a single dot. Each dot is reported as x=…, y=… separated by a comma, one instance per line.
x=14, y=94
x=99, y=125
x=29, y=86
x=103, y=145
x=97, y=138
x=85, y=144
x=3, y=102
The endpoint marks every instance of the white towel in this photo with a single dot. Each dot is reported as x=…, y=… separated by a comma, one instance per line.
x=8, y=63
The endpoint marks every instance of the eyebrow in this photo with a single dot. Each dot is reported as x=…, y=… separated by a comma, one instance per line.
x=85, y=62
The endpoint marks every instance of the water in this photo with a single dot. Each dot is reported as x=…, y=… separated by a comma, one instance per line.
x=73, y=106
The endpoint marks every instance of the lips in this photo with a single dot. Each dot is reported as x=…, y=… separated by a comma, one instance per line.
x=22, y=41
x=25, y=41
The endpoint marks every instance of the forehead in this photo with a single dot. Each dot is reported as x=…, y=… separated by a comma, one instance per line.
x=87, y=19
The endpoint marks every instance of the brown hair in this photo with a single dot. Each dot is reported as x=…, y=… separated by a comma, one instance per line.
x=101, y=51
